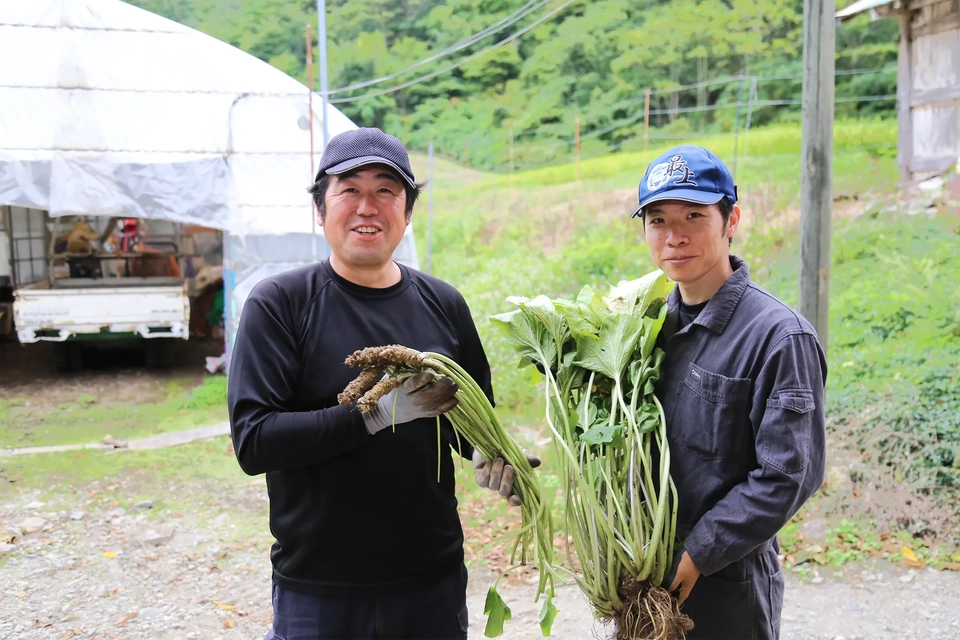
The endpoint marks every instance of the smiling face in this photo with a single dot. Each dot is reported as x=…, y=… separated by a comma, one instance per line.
x=691, y=243
x=364, y=221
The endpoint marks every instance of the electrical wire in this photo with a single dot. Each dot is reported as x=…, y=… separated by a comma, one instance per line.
x=632, y=101
x=462, y=62
x=519, y=14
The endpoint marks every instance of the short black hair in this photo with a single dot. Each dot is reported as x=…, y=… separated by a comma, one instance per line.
x=725, y=205
x=726, y=208
x=319, y=191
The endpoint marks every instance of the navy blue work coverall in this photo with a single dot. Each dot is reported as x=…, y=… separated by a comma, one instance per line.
x=742, y=389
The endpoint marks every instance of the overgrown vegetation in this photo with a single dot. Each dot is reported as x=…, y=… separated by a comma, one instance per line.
x=590, y=62
x=895, y=345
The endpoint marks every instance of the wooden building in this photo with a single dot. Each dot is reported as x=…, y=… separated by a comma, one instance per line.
x=928, y=81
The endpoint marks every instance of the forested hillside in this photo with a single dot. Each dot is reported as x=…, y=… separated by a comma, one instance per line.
x=580, y=60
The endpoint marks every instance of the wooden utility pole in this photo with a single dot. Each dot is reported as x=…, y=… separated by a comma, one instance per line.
x=646, y=117
x=816, y=173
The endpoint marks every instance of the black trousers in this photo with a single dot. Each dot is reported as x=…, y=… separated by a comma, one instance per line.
x=435, y=611
x=742, y=601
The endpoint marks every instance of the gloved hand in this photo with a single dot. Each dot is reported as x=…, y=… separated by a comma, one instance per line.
x=419, y=396
x=498, y=475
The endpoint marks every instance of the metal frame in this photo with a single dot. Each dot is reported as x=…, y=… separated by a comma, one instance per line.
x=17, y=261
x=8, y=227
x=175, y=238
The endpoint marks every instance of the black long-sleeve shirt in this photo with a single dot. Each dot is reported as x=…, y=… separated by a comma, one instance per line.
x=349, y=511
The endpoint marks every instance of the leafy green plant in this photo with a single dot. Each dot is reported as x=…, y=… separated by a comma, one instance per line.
x=600, y=360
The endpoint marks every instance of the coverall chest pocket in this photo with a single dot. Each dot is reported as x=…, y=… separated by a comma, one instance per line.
x=713, y=411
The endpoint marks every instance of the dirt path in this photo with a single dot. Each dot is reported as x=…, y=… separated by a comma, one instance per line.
x=81, y=566
x=172, y=439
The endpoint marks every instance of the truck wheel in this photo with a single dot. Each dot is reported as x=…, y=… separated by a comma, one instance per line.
x=158, y=353
x=68, y=356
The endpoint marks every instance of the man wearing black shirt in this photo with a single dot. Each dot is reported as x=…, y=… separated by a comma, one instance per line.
x=741, y=385
x=368, y=541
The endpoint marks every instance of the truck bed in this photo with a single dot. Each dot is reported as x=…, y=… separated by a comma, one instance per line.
x=108, y=283
x=160, y=310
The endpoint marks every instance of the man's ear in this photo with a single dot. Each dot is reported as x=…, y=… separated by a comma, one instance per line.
x=733, y=222
x=316, y=210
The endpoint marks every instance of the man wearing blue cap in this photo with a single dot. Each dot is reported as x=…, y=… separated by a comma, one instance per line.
x=368, y=540
x=742, y=388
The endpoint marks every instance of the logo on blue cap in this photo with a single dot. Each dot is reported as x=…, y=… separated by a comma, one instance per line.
x=664, y=172
x=687, y=173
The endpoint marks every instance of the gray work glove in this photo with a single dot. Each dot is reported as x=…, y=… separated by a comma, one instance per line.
x=419, y=396
x=498, y=475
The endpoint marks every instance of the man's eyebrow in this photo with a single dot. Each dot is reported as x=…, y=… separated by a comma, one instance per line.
x=685, y=207
x=385, y=175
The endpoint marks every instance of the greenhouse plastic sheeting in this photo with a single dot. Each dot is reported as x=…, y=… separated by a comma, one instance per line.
x=109, y=110
x=106, y=109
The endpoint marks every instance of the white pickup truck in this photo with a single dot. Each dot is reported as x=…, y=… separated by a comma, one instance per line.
x=77, y=315
x=98, y=297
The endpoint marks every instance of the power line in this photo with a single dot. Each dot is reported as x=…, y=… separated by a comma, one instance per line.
x=633, y=101
x=521, y=13
x=762, y=78
x=714, y=107
x=428, y=76
x=562, y=142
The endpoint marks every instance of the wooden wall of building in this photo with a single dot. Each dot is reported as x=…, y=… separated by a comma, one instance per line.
x=935, y=85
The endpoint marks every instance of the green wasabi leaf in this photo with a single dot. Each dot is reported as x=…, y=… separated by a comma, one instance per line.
x=634, y=296
x=610, y=352
x=602, y=434
x=651, y=328
x=552, y=319
x=525, y=334
x=497, y=613
x=648, y=418
x=548, y=612
x=587, y=314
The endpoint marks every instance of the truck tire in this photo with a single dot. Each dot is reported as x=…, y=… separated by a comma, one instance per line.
x=158, y=353
x=68, y=356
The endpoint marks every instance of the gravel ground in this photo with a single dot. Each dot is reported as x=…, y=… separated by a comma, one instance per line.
x=80, y=567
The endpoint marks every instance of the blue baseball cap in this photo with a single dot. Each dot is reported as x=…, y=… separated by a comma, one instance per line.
x=687, y=173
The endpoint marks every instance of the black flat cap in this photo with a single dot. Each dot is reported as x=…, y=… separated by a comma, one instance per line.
x=352, y=149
